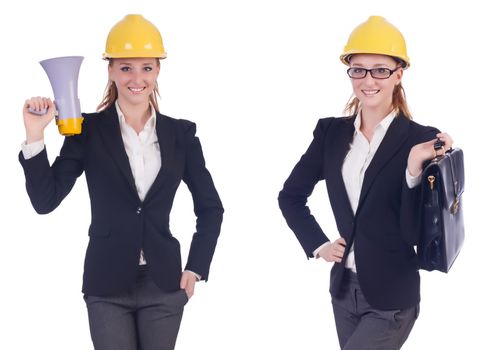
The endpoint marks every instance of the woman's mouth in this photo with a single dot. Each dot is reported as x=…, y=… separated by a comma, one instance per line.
x=136, y=90
x=370, y=92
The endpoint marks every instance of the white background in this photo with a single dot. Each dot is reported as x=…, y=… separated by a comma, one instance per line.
x=255, y=76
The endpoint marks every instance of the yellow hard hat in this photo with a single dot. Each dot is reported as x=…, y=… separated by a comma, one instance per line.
x=376, y=36
x=134, y=36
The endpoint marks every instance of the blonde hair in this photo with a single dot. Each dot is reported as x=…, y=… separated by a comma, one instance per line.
x=110, y=94
x=399, y=103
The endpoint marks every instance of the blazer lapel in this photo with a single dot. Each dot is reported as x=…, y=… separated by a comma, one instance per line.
x=166, y=133
x=111, y=135
x=336, y=151
x=393, y=140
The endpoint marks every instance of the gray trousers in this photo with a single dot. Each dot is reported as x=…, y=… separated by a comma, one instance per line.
x=361, y=327
x=144, y=318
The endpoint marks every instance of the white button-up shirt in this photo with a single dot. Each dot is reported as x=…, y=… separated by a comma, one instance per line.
x=143, y=152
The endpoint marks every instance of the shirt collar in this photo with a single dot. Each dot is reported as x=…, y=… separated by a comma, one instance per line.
x=384, y=124
x=150, y=124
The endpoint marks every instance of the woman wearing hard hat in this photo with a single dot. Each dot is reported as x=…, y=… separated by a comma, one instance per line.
x=134, y=159
x=371, y=161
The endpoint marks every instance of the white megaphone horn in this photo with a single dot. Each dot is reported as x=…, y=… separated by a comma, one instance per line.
x=63, y=76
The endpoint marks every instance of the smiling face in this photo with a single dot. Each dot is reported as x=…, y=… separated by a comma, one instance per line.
x=375, y=94
x=135, y=78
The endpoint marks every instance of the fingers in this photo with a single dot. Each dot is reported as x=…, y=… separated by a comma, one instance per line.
x=334, y=251
x=187, y=282
x=446, y=139
x=441, y=144
x=51, y=106
x=338, y=249
x=40, y=106
x=339, y=246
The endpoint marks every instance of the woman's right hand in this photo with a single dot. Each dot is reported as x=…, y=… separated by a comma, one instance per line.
x=333, y=252
x=34, y=123
x=425, y=151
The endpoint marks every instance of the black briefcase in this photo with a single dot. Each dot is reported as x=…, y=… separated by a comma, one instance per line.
x=442, y=234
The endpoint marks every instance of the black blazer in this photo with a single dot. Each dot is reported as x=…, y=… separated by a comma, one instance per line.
x=121, y=224
x=386, y=224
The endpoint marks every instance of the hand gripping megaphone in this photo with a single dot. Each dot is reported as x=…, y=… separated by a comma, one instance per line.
x=63, y=76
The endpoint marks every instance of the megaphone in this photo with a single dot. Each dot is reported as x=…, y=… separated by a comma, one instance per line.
x=63, y=76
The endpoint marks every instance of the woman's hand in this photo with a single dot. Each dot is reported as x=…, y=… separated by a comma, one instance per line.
x=187, y=282
x=333, y=252
x=34, y=123
x=426, y=151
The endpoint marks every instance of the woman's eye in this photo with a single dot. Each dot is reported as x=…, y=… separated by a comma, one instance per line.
x=358, y=70
x=382, y=70
x=125, y=69
x=148, y=69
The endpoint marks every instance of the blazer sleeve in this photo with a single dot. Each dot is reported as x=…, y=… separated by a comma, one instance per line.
x=48, y=185
x=207, y=205
x=411, y=201
x=299, y=186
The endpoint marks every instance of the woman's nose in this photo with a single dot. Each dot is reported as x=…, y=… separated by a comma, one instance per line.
x=137, y=77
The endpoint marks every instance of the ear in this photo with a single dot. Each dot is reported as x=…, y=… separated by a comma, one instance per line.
x=109, y=71
x=399, y=74
x=158, y=64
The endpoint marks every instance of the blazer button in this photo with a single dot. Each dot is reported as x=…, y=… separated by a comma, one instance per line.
x=139, y=210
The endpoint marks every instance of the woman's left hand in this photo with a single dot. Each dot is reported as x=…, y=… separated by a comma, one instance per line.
x=187, y=282
x=426, y=151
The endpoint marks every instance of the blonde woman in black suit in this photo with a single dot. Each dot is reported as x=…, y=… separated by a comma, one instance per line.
x=371, y=161
x=134, y=159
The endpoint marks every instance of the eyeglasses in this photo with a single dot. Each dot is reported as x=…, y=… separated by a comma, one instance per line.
x=376, y=73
